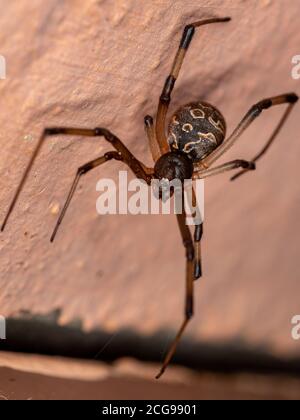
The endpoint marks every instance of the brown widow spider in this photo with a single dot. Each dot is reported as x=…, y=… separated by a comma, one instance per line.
x=196, y=139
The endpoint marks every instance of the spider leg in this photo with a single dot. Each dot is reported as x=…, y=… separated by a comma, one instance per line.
x=150, y=131
x=229, y=166
x=252, y=114
x=189, y=299
x=165, y=97
x=197, y=243
x=80, y=172
x=198, y=234
x=140, y=170
x=269, y=142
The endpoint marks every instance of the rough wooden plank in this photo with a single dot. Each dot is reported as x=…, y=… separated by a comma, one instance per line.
x=46, y=378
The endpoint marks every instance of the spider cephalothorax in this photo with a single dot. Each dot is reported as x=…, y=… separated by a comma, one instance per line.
x=174, y=165
x=196, y=139
x=197, y=129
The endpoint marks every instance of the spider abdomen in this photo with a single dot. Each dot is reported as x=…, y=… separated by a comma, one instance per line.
x=196, y=129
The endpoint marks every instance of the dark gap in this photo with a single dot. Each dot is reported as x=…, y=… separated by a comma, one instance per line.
x=38, y=336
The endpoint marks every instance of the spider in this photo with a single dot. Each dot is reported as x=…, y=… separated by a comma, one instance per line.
x=196, y=139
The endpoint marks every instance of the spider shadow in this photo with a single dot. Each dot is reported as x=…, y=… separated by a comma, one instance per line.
x=40, y=335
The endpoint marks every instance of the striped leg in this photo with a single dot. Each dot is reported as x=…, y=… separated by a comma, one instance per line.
x=252, y=114
x=189, y=293
x=150, y=131
x=140, y=170
x=165, y=97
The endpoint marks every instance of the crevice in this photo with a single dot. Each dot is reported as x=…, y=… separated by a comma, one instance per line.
x=39, y=335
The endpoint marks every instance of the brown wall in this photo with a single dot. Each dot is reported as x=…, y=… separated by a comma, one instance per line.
x=104, y=63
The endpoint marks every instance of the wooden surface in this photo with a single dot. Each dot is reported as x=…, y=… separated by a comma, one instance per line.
x=104, y=63
x=45, y=378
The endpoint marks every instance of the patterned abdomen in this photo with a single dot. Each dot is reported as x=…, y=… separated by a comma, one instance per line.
x=197, y=129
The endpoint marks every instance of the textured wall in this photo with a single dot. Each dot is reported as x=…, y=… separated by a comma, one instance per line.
x=104, y=63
